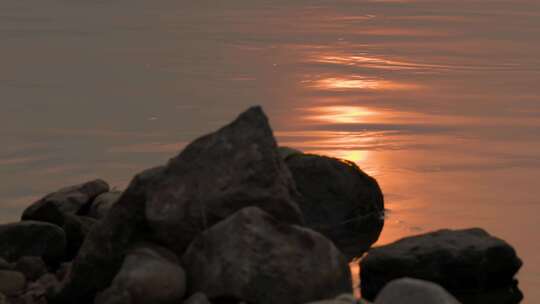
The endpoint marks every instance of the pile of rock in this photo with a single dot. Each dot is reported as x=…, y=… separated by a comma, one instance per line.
x=222, y=222
x=231, y=219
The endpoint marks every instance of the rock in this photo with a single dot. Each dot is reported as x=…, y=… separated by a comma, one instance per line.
x=38, y=291
x=217, y=175
x=413, y=291
x=253, y=257
x=3, y=299
x=213, y=177
x=11, y=282
x=31, y=238
x=103, y=251
x=197, y=298
x=32, y=267
x=340, y=201
x=461, y=261
x=63, y=271
x=70, y=200
x=103, y=203
x=5, y=265
x=345, y=298
x=148, y=275
x=76, y=228
x=285, y=152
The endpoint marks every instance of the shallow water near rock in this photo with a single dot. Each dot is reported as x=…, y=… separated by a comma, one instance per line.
x=438, y=100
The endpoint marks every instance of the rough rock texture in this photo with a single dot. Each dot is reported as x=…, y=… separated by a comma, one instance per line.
x=103, y=203
x=345, y=298
x=218, y=174
x=149, y=274
x=213, y=177
x=340, y=201
x=413, y=291
x=253, y=257
x=11, y=282
x=197, y=298
x=30, y=238
x=69, y=200
x=32, y=267
x=461, y=261
x=103, y=251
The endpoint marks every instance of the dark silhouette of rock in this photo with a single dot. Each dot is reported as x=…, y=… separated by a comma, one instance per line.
x=12, y=282
x=37, y=291
x=103, y=203
x=197, y=298
x=69, y=200
x=345, y=298
x=103, y=251
x=5, y=265
x=340, y=201
x=253, y=257
x=218, y=174
x=213, y=177
x=149, y=274
x=30, y=238
x=413, y=291
x=32, y=267
x=461, y=261
x=76, y=228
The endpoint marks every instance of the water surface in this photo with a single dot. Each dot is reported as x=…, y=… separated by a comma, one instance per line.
x=439, y=100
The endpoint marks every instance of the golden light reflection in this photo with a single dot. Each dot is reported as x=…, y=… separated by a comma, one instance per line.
x=340, y=114
x=364, y=60
x=355, y=83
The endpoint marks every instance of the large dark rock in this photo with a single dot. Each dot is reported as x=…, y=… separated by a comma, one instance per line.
x=340, y=201
x=149, y=274
x=461, y=261
x=70, y=200
x=30, y=238
x=213, y=177
x=103, y=203
x=413, y=291
x=218, y=174
x=253, y=257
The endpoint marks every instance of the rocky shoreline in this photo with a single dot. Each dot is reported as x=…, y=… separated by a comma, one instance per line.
x=233, y=218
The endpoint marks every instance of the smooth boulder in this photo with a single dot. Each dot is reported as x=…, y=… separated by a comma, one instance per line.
x=339, y=200
x=149, y=274
x=461, y=261
x=413, y=291
x=12, y=282
x=253, y=257
x=70, y=200
x=103, y=203
x=31, y=238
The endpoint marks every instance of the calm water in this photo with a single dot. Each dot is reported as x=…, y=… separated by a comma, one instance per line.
x=439, y=100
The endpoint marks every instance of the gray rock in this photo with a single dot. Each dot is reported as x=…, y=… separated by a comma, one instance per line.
x=197, y=298
x=148, y=275
x=213, y=177
x=345, y=298
x=32, y=267
x=12, y=282
x=413, y=291
x=461, y=261
x=251, y=256
x=218, y=174
x=69, y=200
x=30, y=238
x=340, y=201
x=103, y=203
